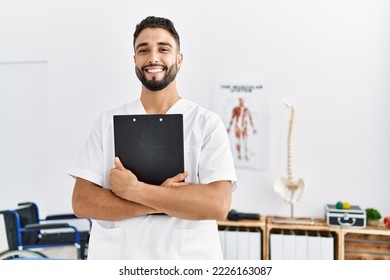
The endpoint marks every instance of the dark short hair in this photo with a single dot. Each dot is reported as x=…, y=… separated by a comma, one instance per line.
x=157, y=22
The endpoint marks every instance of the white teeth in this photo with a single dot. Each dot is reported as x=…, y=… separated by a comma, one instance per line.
x=154, y=70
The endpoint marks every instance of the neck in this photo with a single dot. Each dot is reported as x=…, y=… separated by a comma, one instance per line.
x=159, y=102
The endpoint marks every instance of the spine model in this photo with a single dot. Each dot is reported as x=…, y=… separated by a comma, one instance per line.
x=290, y=149
x=290, y=188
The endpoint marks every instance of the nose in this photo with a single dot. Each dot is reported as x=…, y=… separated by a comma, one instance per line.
x=154, y=58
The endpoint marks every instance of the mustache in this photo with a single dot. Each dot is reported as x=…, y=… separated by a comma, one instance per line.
x=154, y=65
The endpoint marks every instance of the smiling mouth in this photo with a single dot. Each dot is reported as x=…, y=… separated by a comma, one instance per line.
x=154, y=68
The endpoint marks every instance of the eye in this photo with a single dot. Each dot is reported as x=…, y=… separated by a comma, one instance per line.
x=142, y=51
x=164, y=50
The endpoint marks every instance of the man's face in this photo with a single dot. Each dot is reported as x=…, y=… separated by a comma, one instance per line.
x=157, y=59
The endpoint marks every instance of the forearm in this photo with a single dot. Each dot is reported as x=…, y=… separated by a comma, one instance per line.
x=94, y=202
x=192, y=202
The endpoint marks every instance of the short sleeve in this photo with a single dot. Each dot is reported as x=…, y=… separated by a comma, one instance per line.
x=89, y=164
x=216, y=160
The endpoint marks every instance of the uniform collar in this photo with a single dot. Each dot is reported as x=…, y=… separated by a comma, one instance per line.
x=177, y=108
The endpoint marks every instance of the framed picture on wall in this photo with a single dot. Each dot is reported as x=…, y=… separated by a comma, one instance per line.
x=244, y=109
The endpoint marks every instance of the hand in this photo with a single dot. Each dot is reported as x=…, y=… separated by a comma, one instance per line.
x=176, y=181
x=122, y=180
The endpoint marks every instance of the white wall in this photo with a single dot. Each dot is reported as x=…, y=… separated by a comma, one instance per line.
x=329, y=58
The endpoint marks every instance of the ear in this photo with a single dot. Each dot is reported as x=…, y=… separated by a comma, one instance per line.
x=179, y=59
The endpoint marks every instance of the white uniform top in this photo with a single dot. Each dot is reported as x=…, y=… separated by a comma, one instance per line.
x=207, y=157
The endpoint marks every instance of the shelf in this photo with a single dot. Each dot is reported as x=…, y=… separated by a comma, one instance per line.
x=349, y=243
x=245, y=224
x=370, y=243
x=319, y=225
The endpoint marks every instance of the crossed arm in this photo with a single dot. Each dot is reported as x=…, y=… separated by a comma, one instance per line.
x=129, y=197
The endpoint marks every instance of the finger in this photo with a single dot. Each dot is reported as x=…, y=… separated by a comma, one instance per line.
x=180, y=177
x=176, y=179
x=118, y=164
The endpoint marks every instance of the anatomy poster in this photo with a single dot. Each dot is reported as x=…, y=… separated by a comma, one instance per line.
x=244, y=109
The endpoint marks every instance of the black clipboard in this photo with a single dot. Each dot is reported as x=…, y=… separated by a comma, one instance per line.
x=151, y=146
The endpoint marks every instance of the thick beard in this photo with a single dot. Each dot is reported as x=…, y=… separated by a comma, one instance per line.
x=156, y=85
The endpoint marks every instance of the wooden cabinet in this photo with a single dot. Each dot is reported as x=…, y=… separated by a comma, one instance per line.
x=370, y=243
x=274, y=225
x=256, y=225
x=349, y=243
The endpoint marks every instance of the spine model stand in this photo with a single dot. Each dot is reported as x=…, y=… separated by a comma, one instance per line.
x=290, y=189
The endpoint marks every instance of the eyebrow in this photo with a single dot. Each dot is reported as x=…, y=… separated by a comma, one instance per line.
x=159, y=43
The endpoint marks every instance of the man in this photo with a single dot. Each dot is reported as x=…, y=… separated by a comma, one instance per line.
x=121, y=205
x=240, y=117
